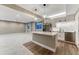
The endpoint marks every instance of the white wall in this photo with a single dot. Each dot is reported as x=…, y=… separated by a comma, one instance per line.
x=71, y=8
x=77, y=26
x=67, y=26
x=11, y=27
x=55, y=20
x=70, y=17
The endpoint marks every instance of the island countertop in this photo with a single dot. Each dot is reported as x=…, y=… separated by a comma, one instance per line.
x=45, y=33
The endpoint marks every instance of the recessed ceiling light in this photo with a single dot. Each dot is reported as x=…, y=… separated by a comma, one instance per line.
x=36, y=18
x=44, y=16
x=35, y=9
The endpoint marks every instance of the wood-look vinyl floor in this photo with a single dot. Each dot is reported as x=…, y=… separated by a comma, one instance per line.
x=63, y=48
x=66, y=48
x=37, y=50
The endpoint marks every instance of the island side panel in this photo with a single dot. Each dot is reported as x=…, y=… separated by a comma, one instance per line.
x=45, y=40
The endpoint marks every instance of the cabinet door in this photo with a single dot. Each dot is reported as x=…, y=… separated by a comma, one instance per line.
x=70, y=36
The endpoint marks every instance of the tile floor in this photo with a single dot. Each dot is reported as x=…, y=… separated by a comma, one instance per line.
x=11, y=44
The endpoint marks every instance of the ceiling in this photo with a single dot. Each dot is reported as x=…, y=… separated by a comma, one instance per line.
x=47, y=10
x=28, y=12
x=9, y=14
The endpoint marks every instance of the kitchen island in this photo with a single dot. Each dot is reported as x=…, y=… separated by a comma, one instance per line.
x=45, y=39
